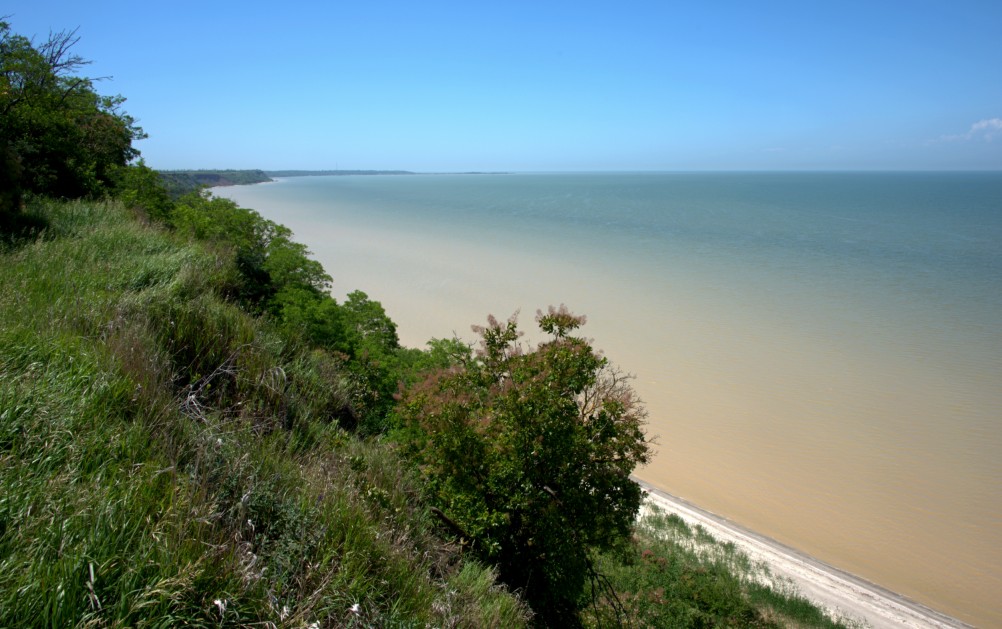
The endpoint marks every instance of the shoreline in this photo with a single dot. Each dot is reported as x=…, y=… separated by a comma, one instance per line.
x=840, y=593
x=818, y=418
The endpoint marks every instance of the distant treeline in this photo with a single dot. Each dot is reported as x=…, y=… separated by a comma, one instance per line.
x=179, y=182
x=312, y=173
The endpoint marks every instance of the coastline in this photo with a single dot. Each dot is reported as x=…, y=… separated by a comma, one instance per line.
x=842, y=594
x=725, y=358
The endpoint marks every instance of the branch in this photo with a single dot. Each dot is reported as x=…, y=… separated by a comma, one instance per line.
x=55, y=52
x=458, y=530
x=190, y=404
x=69, y=89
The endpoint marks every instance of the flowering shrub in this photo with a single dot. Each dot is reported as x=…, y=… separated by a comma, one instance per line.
x=528, y=452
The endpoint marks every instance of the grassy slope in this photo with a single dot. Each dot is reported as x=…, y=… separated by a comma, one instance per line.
x=672, y=575
x=161, y=451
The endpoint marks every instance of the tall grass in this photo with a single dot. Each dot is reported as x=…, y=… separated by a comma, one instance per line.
x=674, y=575
x=167, y=459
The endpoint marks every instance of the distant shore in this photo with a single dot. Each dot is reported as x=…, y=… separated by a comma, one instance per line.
x=842, y=594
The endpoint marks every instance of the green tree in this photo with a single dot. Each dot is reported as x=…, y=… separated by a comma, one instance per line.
x=140, y=186
x=10, y=185
x=268, y=261
x=528, y=454
x=369, y=327
x=58, y=137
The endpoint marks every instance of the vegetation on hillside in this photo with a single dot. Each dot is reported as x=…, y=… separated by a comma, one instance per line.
x=58, y=136
x=179, y=182
x=194, y=432
x=529, y=454
x=674, y=575
x=167, y=458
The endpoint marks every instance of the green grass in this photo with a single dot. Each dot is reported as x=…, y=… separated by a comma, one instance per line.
x=674, y=575
x=167, y=459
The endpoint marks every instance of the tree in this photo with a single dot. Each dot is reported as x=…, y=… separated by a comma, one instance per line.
x=10, y=184
x=528, y=454
x=58, y=137
x=370, y=328
x=142, y=187
x=269, y=262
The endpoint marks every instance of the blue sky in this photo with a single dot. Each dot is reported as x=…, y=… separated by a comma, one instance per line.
x=525, y=86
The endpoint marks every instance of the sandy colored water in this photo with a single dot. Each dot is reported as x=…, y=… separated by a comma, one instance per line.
x=787, y=413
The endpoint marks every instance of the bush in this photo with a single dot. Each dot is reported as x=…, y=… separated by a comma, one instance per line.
x=67, y=140
x=528, y=454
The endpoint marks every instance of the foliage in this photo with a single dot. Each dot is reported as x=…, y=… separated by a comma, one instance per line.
x=673, y=575
x=276, y=276
x=268, y=261
x=180, y=182
x=368, y=325
x=10, y=184
x=528, y=454
x=167, y=459
x=139, y=187
x=58, y=137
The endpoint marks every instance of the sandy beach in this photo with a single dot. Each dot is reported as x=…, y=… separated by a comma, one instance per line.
x=844, y=595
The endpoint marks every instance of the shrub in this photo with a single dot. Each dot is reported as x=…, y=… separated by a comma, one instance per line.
x=528, y=454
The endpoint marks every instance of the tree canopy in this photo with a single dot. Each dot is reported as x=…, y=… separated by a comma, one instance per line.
x=528, y=453
x=58, y=136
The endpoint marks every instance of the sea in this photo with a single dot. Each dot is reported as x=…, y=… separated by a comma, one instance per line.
x=820, y=353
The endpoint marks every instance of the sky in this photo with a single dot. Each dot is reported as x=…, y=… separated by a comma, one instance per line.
x=547, y=86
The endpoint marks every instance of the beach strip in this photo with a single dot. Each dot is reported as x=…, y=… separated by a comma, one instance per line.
x=842, y=594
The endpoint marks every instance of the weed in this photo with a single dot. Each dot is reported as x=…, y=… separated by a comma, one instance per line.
x=167, y=459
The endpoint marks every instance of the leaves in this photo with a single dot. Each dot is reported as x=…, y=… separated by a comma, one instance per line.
x=68, y=141
x=530, y=451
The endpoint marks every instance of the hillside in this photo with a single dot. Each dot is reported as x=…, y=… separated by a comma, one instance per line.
x=181, y=181
x=194, y=432
x=166, y=456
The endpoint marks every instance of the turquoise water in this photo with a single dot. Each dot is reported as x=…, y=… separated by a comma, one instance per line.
x=821, y=353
